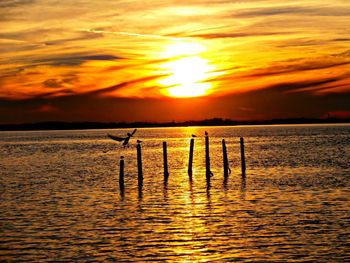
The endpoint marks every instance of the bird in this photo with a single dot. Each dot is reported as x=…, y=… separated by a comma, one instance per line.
x=138, y=141
x=206, y=133
x=125, y=140
x=193, y=135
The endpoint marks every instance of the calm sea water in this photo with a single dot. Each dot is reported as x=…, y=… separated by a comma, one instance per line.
x=60, y=198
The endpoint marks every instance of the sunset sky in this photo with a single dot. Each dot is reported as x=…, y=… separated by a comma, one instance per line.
x=128, y=60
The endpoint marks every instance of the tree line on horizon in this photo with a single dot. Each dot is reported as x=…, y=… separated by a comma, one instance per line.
x=62, y=125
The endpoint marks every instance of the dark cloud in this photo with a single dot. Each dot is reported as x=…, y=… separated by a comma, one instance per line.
x=118, y=86
x=52, y=83
x=55, y=83
x=345, y=87
x=12, y=46
x=341, y=39
x=8, y=8
x=262, y=104
x=71, y=59
x=31, y=36
x=296, y=68
x=81, y=37
x=235, y=35
x=331, y=11
x=293, y=10
x=284, y=67
x=272, y=103
x=28, y=34
x=46, y=108
x=310, y=42
x=300, y=86
x=343, y=54
x=302, y=43
x=15, y=3
x=252, y=12
x=88, y=108
x=59, y=84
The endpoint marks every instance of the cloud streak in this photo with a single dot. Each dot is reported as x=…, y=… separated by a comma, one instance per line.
x=132, y=34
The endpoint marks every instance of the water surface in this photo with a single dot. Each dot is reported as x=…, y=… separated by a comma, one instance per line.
x=60, y=198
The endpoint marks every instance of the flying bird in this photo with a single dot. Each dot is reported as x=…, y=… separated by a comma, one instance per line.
x=125, y=140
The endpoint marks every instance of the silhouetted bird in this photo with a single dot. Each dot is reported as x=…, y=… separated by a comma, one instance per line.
x=138, y=141
x=193, y=135
x=206, y=133
x=125, y=140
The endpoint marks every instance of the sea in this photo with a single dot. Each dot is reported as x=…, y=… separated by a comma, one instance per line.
x=60, y=198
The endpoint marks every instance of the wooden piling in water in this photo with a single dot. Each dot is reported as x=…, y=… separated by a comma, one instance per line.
x=165, y=161
x=207, y=158
x=225, y=160
x=121, y=174
x=190, y=159
x=243, y=167
x=139, y=164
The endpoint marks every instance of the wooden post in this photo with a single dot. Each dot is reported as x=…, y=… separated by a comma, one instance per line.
x=190, y=159
x=165, y=159
x=224, y=154
x=121, y=175
x=139, y=164
x=140, y=195
x=242, y=157
x=207, y=158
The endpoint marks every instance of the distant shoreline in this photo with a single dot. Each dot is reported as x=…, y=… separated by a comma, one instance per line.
x=58, y=125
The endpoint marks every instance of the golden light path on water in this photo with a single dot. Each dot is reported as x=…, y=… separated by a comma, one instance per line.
x=187, y=71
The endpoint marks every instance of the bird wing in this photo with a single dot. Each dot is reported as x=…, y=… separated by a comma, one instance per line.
x=116, y=138
x=133, y=132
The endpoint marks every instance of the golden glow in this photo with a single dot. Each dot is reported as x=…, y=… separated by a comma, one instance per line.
x=180, y=48
x=177, y=49
x=188, y=72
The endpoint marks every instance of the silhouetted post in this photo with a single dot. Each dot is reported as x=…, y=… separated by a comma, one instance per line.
x=139, y=164
x=242, y=157
x=165, y=159
x=140, y=191
x=224, y=154
x=190, y=159
x=207, y=158
x=121, y=175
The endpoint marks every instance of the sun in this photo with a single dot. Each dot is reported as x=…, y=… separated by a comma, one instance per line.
x=187, y=76
x=187, y=72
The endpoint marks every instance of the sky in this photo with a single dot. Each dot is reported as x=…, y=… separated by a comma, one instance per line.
x=128, y=60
